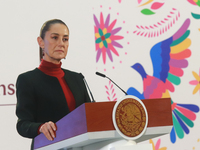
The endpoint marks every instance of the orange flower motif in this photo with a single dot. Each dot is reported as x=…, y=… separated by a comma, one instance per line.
x=196, y=82
x=157, y=146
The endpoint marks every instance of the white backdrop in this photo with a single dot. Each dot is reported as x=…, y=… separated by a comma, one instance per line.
x=20, y=25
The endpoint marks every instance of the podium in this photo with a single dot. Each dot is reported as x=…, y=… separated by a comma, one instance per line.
x=91, y=125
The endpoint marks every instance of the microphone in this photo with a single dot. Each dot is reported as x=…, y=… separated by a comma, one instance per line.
x=88, y=88
x=103, y=75
x=100, y=74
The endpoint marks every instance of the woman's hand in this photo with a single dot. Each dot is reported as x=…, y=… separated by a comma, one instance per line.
x=49, y=130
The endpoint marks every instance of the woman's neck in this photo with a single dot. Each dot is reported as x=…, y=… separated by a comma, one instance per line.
x=51, y=60
x=51, y=69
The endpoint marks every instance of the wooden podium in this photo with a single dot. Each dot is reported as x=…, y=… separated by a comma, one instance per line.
x=92, y=122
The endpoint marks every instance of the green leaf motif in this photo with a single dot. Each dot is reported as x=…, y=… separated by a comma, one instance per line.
x=177, y=127
x=181, y=39
x=196, y=16
x=174, y=79
x=100, y=32
x=198, y=3
x=107, y=35
x=185, y=119
x=98, y=40
x=147, y=12
x=105, y=44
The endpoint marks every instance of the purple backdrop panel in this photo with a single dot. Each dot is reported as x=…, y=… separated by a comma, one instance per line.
x=69, y=126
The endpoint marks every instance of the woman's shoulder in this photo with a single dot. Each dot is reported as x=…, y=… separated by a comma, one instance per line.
x=72, y=73
x=31, y=75
x=30, y=72
x=27, y=77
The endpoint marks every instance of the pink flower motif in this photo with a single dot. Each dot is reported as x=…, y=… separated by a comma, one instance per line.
x=157, y=145
x=192, y=2
x=105, y=38
x=139, y=1
x=156, y=5
x=110, y=91
x=196, y=82
x=120, y=1
x=160, y=27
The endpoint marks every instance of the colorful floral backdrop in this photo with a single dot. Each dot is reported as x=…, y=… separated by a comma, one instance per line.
x=150, y=48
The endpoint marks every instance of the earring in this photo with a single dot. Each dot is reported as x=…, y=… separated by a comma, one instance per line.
x=42, y=51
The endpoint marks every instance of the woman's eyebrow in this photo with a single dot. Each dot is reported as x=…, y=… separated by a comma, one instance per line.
x=58, y=34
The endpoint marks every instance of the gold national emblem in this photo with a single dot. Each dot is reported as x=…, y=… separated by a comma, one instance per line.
x=130, y=117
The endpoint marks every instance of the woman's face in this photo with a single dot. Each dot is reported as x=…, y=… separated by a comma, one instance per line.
x=55, y=43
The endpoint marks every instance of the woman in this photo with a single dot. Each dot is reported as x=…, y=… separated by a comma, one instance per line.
x=48, y=93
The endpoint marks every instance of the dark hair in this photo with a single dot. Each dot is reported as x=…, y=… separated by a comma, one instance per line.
x=46, y=26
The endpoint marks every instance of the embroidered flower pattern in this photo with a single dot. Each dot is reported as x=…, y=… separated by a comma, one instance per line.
x=157, y=145
x=159, y=27
x=154, y=6
x=105, y=38
x=111, y=94
x=196, y=82
x=183, y=116
x=194, y=2
x=195, y=16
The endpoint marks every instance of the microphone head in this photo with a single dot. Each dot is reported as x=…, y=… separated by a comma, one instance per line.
x=100, y=74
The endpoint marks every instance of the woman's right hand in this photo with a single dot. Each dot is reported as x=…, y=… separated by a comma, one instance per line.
x=49, y=130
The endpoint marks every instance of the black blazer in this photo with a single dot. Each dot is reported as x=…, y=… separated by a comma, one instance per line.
x=40, y=99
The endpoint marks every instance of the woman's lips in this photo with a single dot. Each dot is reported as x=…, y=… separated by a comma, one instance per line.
x=59, y=51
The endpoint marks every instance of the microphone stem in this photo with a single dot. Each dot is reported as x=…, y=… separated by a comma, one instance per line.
x=89, y=90
x=116, y=85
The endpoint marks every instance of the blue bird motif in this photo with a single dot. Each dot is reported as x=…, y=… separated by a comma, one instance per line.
x=168, y=59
